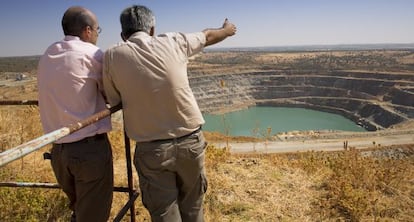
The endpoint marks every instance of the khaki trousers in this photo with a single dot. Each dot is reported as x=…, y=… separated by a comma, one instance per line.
x=171, y=177
x=84, y=170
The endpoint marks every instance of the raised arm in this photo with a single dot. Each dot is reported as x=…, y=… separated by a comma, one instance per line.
x=214, y=36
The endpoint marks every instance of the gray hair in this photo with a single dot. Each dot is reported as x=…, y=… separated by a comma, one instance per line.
x=136, y=18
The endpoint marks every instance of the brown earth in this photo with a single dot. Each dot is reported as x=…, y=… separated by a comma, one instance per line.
x=246, y=185
x=221, y=73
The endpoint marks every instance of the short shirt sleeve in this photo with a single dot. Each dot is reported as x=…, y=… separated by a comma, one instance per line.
x=191, y=43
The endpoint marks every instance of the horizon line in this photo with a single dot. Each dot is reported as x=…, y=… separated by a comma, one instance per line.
x=339, y=46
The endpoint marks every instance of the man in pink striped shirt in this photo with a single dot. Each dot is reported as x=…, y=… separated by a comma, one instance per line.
x=70, y=90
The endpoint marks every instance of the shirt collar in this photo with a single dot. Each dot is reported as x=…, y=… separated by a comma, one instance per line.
x=139, y=34
x=71, y=37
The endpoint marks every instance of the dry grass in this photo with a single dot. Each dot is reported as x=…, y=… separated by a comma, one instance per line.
x=315, y=186
x=256, y=188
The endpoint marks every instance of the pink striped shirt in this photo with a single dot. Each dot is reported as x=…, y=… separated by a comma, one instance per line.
x=69, y=80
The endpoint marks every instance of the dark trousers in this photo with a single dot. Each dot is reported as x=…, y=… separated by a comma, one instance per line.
x=84, y=170
x=171, y=177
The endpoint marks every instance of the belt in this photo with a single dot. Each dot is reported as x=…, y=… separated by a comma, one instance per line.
x=176, y=138
x=86, y=139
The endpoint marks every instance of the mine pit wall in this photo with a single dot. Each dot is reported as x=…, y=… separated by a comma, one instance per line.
x=372, y=100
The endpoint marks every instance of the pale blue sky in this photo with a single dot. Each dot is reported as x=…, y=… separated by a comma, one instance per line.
x=28, y=27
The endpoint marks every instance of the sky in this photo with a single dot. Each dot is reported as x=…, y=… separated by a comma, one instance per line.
x=28, y=27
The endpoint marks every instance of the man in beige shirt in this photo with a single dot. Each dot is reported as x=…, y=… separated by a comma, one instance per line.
x=148, y=75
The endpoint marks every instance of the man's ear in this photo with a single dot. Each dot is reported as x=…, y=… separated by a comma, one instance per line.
x=86, y=34
x=152, y=31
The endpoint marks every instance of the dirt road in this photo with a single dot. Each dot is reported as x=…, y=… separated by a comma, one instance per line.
x=358, y=141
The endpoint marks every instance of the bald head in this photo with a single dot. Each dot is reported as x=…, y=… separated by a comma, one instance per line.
x=76, y=19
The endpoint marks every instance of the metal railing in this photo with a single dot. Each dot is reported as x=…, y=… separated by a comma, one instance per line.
x=36, y=144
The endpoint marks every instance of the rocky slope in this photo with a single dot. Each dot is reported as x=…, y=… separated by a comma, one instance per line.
x=375, y=98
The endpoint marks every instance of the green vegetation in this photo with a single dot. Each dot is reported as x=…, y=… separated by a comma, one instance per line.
x=31, y=204
x=18, y=64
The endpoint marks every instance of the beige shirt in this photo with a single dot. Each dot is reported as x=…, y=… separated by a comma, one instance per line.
x=70, y=87
x=149, y=76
